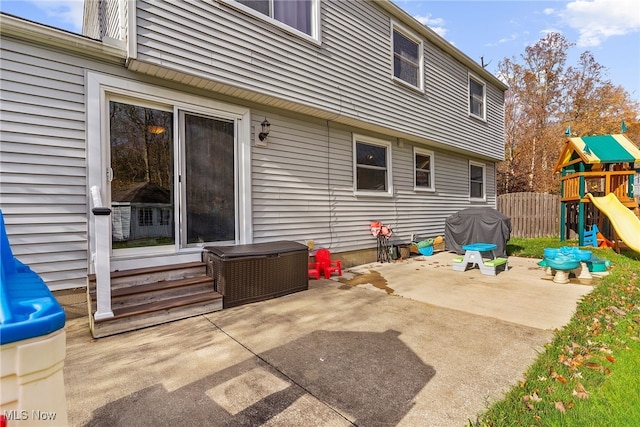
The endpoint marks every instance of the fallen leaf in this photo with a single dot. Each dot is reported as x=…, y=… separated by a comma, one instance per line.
x=611, y=359
x=576, y=362
x=580, y=392
x=617, y=311
x=562, y=379
x=593, y=365
x=560, y=407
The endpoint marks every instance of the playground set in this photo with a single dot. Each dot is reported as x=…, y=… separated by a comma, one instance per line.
x=597, y=199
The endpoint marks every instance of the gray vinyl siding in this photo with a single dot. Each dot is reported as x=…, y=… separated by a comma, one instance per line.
x=43, y=166
x=102, y=19
x=348, y=74
x=91, y=19
x=303, y=188
x=113, y=25
x=302, y=181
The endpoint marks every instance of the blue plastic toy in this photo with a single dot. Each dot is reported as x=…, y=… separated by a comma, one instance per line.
x=28, y=309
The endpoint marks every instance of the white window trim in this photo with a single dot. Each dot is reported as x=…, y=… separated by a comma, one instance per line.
x=315, y=20
x=102, y=87
x=373, y=141
x=478, y=80
x=429, y=153
x=410, y=35
x=484, y=181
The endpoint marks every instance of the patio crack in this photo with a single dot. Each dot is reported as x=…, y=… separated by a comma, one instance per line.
x=292, y=380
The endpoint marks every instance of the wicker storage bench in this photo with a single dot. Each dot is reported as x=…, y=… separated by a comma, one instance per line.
x=256, y=272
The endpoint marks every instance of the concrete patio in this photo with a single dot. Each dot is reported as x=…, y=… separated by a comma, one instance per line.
x=410, y=343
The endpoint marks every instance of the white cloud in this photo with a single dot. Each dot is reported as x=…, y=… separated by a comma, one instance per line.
x=511, y=38
x=436, y=24
x=597, y=20
x=549, y=11
x=68, y=11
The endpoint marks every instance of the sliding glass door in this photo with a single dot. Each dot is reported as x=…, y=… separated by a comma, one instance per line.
x=208, y=179
x=159, y=192
x=142, y=176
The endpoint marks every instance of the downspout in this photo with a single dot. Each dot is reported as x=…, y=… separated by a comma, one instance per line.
x=130, y=30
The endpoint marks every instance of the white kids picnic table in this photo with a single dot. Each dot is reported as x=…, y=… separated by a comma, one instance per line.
x=482, y=255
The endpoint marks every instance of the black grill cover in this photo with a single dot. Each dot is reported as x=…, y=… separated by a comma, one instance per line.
x=477, y=225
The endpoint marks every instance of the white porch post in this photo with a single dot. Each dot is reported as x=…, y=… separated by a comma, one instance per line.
x=102, y=257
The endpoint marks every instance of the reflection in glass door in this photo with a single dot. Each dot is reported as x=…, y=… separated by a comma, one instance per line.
x=142, y=195
x=208, y=180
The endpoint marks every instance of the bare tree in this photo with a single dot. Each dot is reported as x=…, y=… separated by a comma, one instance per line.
x=544, y=98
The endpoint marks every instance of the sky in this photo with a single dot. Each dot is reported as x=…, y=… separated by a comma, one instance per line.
x=492, y=30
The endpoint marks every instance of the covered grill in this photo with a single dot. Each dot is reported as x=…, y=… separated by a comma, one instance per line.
x=477, y=225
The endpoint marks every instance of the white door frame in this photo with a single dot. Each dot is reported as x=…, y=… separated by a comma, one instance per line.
x=180, y=165
x=99, y=87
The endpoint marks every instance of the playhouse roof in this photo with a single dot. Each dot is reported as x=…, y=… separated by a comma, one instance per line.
x=598, y=149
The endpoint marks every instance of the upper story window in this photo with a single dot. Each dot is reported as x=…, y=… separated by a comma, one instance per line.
x=477, y=97
x=372, y=166
x=424, y=179
x=298, y=14
x=407, y=57
x=477, y=181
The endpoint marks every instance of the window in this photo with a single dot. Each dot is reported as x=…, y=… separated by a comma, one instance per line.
x=423, y=169
x=476, y=98
x=372, y=167
x=476, y=181
x=299, y=14
x=407, y=58
x=145, y=217
x=165, y=217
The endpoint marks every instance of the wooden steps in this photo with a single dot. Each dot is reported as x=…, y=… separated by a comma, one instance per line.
x=151, y=296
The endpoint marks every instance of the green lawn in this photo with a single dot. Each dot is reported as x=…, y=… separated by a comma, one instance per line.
x=589, y=375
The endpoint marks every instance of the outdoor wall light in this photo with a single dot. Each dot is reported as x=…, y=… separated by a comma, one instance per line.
x=266, y=128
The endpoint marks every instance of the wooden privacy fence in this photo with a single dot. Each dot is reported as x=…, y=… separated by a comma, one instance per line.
x=532, y=214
